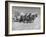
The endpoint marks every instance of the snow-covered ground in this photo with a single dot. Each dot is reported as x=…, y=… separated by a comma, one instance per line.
x=27, y=26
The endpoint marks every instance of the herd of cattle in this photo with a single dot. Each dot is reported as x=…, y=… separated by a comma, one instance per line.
x=25, y=18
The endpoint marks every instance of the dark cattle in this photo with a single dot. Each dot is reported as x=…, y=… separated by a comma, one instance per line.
x=26, y=18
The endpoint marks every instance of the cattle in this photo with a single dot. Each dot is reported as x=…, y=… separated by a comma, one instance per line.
x=27, y=18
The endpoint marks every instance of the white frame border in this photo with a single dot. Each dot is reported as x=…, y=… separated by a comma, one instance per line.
x=25, y=5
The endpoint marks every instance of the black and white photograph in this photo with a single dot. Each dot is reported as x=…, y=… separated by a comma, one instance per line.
x=25, y=18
